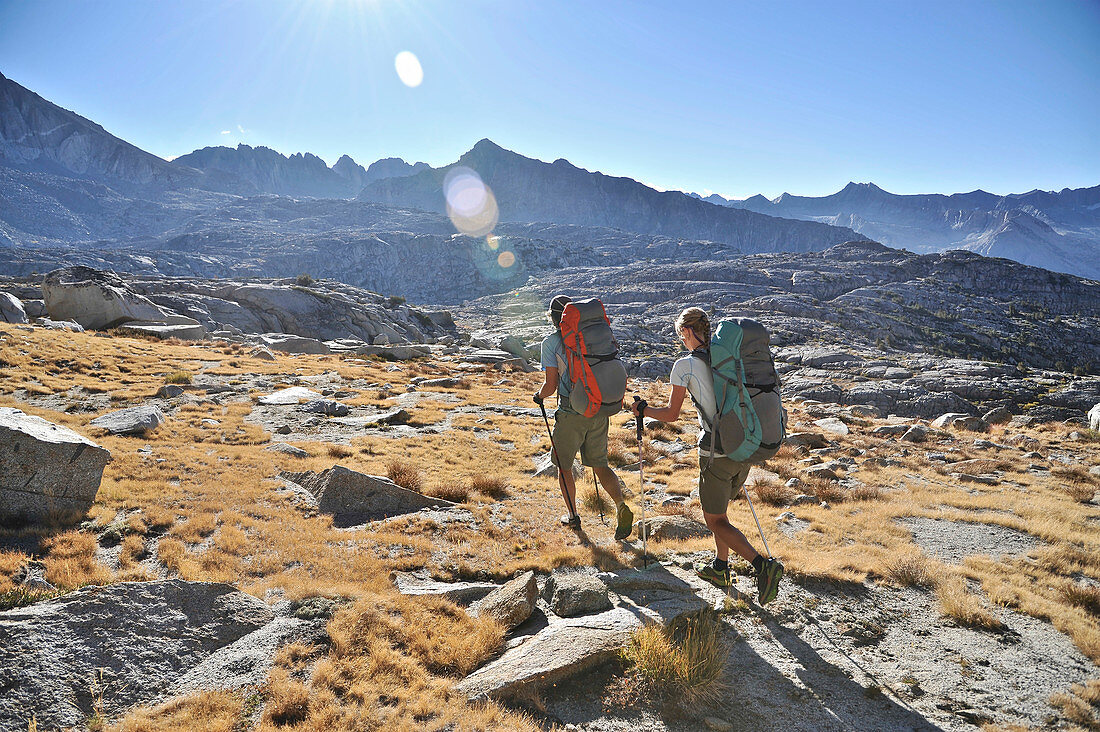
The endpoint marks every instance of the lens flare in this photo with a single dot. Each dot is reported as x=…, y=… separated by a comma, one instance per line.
x=493, y=242
x=409, y=69
x=470, y=204
x=506, y=259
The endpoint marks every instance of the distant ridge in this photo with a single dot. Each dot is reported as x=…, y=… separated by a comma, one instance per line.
x=559, y=192
x=1055, y=230
x=249, y=170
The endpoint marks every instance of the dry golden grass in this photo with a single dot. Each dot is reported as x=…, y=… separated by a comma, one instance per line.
x=1083, y=597
x=490, y=486
x=684, y=661
x=772, y=492
x=405, y=474
x=213, y=506
x=453, y=492
x=594, y=501
x=178, y=377
x=958, y=603
x=210, y=711
x=912, y=570
x=1081, y=705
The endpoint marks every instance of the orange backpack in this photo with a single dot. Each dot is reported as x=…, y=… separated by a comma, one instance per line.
x=599, y=377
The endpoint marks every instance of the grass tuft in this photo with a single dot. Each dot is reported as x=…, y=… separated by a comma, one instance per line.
x=405, y=474
x=594, y=501
x=772, y=492
x=1087, y=598
x=685, y=661
x=178, y=377
x=453, y=492
x=1082, y=705
x=965, y=608
x=912, y=570
x=490, y=486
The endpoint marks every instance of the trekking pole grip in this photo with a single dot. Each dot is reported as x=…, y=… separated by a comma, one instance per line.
x=641, y=404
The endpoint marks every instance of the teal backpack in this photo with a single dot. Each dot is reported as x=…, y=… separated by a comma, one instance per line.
x=751, y=421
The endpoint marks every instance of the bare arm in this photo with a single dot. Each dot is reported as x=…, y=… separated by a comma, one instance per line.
x=550, y=385
x=668, y=413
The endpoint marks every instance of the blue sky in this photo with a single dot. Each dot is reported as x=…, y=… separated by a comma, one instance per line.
x=729, y=97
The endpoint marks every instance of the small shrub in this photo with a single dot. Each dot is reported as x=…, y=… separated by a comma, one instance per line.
x=404, y=474
x=395, y=300
x=304, y=280
x=178, y=377
x=825, y=490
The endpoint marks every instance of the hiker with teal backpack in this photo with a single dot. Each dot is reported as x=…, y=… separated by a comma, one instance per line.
x=580, y=363
x=742, y=422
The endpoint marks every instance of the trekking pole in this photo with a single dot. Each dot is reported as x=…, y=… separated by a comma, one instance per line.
x=554, y=451
x=745, y=490
x=599, y=501
x=641, y=404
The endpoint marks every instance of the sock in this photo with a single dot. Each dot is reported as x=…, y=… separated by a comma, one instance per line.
x=758, y=563
x=720, y=565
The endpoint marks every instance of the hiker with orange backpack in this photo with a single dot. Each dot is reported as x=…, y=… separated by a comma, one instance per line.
x=753, y=436
x=580, y=362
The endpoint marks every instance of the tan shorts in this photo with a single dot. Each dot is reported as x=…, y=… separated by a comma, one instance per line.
x=720, y=479
x=574, y=432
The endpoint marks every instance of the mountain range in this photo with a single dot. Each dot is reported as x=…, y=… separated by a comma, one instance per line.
x=1055, y=230
x=66, y=183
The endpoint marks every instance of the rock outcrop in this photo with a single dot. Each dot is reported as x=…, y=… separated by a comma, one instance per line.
x=564, y=646
x=130, y=421
x=355, y=498
x=99, y=300
x=46, y=471
x=114, y=646
x=11, y=309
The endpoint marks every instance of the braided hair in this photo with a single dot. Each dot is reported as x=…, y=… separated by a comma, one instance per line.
x=697, y=320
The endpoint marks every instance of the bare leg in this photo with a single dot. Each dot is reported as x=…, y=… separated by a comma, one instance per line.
x=610, y=483
x=569, y=490
x=727, y=537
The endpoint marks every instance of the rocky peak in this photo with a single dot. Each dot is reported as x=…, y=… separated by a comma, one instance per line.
x=393, y=168
x=269, y=171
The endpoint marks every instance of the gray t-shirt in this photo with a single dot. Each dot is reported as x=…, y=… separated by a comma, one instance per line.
x=694, y=374
x=553, y=355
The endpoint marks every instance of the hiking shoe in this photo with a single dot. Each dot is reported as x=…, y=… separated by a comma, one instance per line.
x=767, y=581
x=625, y=522
x=573, y=521
x=707, y=572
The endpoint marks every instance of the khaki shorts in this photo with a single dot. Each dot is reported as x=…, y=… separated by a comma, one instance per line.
x=720, y=479
x=574, y=432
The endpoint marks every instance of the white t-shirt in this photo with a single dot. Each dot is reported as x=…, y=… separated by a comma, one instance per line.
x=553, y=355
x=694, y=374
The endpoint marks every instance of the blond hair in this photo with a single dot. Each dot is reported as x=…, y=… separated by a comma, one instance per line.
x=699, y=323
